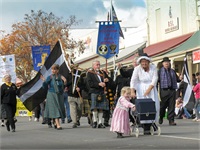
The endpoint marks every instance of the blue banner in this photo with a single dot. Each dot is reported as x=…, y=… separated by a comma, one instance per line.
x=108, y=39
x=40, y=54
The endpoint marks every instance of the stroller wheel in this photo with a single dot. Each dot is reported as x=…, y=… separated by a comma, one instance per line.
x=152, y=130
x=137, y=132
x=159, y=130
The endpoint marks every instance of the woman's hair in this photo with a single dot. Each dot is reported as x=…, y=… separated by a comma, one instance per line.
x=7, y=76
x=125, y=89
x=55, y=66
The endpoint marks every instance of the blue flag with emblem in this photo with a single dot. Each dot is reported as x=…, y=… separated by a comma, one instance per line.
x=40, y=54
x=108, y=39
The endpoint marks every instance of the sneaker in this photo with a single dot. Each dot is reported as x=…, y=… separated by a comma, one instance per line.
x=2, y=124
x=36, y=119
x=198, y=120
x=69, y=120
x=195, y=119
x=94, y=125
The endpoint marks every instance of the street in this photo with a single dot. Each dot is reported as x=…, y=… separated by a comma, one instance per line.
x=34, y=135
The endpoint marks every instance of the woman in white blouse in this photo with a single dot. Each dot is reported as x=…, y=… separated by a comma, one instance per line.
x=144, y=80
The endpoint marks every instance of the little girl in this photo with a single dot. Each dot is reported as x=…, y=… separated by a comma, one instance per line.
x=120, y=118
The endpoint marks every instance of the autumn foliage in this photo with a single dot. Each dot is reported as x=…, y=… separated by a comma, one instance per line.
x=38, y=28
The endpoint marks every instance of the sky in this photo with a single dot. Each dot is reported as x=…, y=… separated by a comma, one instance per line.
x=132, y=13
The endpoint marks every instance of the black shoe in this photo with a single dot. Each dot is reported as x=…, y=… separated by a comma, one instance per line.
x=13, y=130
x=172, y=123
x=50, y=126
x=43, y=122
x=78, y=123
x=7, y=126
x=147, y=133
x=119, y=135
x=63, y=121
x=69, y=120
x=106, y=124
x=74, y=126
x=88, y=120
x=60, y=128
x=101, y=125
x=161, y=121
x=94, y=125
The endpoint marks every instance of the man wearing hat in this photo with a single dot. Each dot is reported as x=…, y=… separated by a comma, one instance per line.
x=167, y=79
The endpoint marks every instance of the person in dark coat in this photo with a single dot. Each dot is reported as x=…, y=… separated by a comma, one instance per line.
x=96, y=80
x=9, y=101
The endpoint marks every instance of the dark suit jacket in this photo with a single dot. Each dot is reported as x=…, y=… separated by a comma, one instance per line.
x=93, y=82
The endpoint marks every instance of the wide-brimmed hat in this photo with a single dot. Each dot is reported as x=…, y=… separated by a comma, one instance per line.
x=143, y=56
x=166, y=59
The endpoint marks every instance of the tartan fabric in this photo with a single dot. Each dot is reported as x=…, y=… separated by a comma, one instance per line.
x=86, y=107
x=165, y=79
x=104, y=105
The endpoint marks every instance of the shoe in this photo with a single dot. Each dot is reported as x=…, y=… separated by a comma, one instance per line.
x=43, y=122
x=198, y=120
x=94, y=125
x=106, y=125
x=101, y=125
x=13, y=130
x=63, y=121
x=74, y=126
x=7, y=126
x=172, y=123
x=36, y=119
x=15, y=120
x=119, y=135
x=161, y=121
x=2, y=124
x=195, y=119
x=88, y=120
x=30, y=119
x=60, y=128
x=78, y=123
x=69, y=120
x=50, y=126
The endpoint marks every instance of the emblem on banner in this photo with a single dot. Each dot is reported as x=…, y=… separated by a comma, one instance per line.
x=113, y=47
x=4, y=59
x=103, y=49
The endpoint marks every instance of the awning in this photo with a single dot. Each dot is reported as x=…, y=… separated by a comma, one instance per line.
x=191, y=43
x=164, y=46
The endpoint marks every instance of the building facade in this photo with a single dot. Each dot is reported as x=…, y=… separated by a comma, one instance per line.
x=173, y=31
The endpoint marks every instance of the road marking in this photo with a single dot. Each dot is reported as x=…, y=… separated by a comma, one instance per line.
x=177, y=137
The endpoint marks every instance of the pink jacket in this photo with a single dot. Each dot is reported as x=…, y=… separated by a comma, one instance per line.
x=196, y=90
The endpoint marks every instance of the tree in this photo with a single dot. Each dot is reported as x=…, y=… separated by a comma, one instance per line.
x=38, y=28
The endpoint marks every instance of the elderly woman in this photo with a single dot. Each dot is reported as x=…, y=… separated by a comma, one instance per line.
x=9, y=101
x=144, y=81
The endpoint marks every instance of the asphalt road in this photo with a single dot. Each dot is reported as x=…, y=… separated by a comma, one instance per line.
x=34, y=135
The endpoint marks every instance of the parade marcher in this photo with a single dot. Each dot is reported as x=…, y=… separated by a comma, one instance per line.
x=96, y=80
x=196, y=90
x=54, y=108
x=120, y=118
x=167, y=79
x=144, y=81
x=8, y=99
x=74, y=99
x=84, y=93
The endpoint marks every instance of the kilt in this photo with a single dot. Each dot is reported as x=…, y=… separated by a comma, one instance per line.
x=86, y=107
x=103, y=105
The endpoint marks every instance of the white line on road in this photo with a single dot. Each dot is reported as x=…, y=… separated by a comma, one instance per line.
x=177, y=137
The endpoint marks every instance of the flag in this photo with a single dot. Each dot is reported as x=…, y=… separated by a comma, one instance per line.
x=188, y=97
x=113, y=17
x=32, y=93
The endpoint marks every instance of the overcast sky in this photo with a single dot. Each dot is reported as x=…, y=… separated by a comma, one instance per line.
x=132, y=13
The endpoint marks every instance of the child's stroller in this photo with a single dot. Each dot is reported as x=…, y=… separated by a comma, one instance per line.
x=145, y=113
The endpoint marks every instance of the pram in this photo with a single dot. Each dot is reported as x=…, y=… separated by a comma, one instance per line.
x=145, y=113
